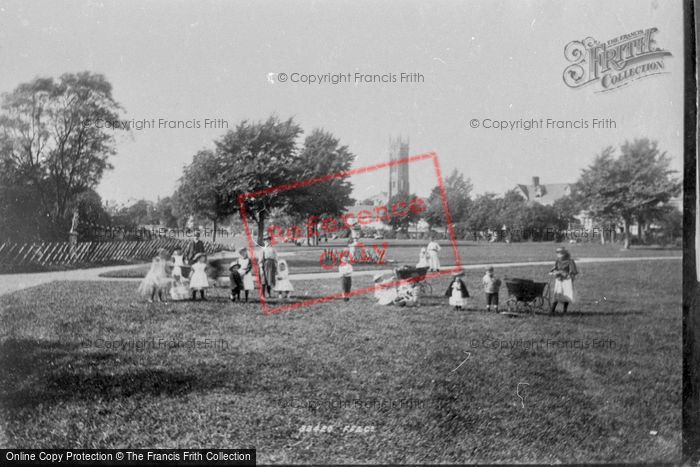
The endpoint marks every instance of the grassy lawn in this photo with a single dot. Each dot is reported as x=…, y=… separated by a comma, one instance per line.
x=257, y=380
x=306, y=259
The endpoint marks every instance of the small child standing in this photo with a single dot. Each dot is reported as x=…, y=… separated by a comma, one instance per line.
x=283, y=286
x=236, y=281
x=457, y=291
x=491, y=287
x=345, y=273
x=199, y=280
x=178, y=262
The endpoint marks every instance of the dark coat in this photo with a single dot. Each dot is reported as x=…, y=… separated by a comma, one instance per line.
x=462, y=285
x=565, y=268
x=236, y=279
x=197, y=247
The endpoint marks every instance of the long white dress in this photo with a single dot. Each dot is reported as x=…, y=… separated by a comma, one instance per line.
x=456, y=298
x=177, y=268
x=248, y=283
x=564, y=290
x=433, y=259
x=199, y=279
x=283, y=283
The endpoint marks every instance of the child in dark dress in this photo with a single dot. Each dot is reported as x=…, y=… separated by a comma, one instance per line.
x=236, y=282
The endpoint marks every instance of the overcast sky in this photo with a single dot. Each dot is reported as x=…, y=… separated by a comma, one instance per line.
x=480, y=59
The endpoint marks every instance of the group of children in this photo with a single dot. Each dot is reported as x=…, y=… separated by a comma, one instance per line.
x=167, y=277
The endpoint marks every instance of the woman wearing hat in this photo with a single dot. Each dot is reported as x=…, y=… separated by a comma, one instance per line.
x=269, y=265
x=564, y=271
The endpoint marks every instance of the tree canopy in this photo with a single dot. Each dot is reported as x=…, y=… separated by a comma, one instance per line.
x=50, y=142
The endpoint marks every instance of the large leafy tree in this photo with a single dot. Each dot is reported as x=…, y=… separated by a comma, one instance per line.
x=458, y=190
x=259, y=156
x=202, y=189
x=50, y=137
x=322, y=155
x=632, y=186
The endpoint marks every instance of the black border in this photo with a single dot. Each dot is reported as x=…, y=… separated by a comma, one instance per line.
x=691, y=289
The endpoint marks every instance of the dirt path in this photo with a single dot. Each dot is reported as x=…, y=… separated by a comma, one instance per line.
x=13, y=282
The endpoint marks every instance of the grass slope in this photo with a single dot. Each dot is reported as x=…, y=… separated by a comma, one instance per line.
x=256, y=380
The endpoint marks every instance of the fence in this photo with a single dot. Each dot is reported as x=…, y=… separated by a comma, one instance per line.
x=22, y=255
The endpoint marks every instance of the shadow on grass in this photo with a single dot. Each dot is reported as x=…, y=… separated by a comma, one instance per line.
x=40, y=372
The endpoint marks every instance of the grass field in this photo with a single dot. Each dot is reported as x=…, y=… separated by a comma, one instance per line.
x=401, y=252
x=256, y=381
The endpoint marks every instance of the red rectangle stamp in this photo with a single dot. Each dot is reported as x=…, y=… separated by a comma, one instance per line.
x=331, y=261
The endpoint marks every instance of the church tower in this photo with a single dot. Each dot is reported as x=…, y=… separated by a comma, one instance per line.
x=398, y=174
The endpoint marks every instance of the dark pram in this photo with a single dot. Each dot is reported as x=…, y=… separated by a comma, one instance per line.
x=527, y=295
x=417, y=276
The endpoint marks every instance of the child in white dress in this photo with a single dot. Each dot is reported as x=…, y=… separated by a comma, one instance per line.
x=384, y=295
x=283, y=286
x=457, y=291
x=199, y=280
x=246, y=271
x=178, y=262
x=423, y=261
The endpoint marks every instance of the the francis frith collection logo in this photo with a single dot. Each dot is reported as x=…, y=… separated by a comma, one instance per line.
x=615, y=63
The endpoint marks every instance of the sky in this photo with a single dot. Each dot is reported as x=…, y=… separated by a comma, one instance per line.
x=499, y=60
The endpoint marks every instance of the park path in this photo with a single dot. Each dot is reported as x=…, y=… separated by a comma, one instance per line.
x=13, y=282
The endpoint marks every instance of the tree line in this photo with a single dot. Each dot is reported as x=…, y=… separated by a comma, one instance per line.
x=52, y=159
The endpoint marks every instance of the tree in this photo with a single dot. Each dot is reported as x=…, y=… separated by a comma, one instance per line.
x=321, y=155
x=49, y=133
x=166, y=212
x=404, y=209
x=630, y=187
x=483, y=214
x=458, y=190
x=202, y=189
x=255, y=157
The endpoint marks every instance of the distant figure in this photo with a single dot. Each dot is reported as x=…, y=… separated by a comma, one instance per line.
x=199, y=281
x=457, y=291
x=197, y=247
x=269, y=266
x=492, y=286
x=284, y=286
x=352, y=244
x=564, y=272
x=433, y=249
x=236, y=282
x=423, y=260
x=246, y=271
x=345, y=273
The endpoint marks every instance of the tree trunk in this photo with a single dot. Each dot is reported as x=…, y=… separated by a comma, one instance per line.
x=261, y=227
x=626, y=228
x=602, y=236
x=213, y=236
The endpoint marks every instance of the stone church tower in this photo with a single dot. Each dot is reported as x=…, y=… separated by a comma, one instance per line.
x=398, y=174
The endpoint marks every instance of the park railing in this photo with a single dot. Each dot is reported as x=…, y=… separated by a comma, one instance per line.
x=39, y=255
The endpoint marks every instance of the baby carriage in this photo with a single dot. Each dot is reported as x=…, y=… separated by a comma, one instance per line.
x=527, y=295
x=417, y=276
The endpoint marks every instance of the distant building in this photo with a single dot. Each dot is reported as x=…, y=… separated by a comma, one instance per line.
x=398, y=174
x=545, y=194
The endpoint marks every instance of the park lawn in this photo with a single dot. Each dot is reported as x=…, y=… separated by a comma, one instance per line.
x=402, y=252
x=261, y=378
